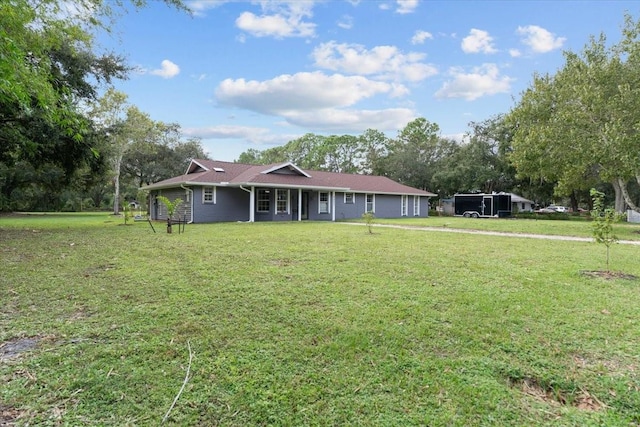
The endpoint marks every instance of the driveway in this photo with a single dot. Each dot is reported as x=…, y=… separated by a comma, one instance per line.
x=493, y=233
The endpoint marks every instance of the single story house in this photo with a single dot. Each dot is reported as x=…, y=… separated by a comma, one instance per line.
x=520, y=204
x=215, y=191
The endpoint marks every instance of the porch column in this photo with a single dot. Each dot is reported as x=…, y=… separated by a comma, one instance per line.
x=333, y=206
x=299, y=204
x=252, y=205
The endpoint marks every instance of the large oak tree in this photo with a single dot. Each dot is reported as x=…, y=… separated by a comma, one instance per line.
x=49, y=68
x=582, y=125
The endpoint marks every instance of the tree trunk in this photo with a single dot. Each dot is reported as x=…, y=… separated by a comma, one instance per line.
x=627, y=198
x=169, y=225
x=116, y=183
x=619, y=186
x=574, y=201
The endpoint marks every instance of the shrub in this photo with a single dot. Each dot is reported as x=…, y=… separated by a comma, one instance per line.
x=368, y=219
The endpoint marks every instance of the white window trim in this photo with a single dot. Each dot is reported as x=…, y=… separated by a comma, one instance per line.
x=373, y=202
x=258, y=200
x=353, y=198
x=214, y=196
x=404, y=205
x=416, y=205
x=288, y=209
x=328, y=202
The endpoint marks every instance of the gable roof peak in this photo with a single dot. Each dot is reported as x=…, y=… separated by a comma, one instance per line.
x=289, y=166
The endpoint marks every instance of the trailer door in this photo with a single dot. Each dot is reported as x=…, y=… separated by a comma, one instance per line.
x=487, y=206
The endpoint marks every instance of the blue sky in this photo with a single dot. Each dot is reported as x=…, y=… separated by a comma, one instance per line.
x=241, y=74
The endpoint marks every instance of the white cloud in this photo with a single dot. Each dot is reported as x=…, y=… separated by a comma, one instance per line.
x=385, y=62
x=478, y=41
x=406, y=6
x=248, y=133
x=280, y=19
x=482, y=81
x=515, y=53
x=168, y=70
x=539, y=39
x=420, y=36
x=346, y=22
x=253, y=135
x=199, y=7
x=301, y=91
x=316, y=100
x=340, y=120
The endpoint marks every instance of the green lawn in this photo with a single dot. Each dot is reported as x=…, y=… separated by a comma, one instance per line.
x=579, y=227
x=312, y=324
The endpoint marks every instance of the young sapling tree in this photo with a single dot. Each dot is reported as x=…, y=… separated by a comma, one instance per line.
x=172, y=207
x=127, y=213
x=603, y=220
x=368, y=219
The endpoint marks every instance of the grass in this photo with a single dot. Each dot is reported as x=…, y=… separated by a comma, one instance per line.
x=575, y=227
x=312, y=324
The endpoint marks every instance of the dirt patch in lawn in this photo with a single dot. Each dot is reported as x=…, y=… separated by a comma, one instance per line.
x=608, y=275
x=555, y=396
x=8, y=415
x=13, y=348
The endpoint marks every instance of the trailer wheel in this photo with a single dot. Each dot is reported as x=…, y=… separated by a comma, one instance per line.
x=475, y=215
x=466, y=215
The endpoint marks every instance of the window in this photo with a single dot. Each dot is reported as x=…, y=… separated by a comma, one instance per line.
x=416, y=205
x=349, y=199
x=523, y=208
x=263, y=200
x=209, y=195
x=404, y=202
x=323, y=202
x=282, y=201
x=371, y=203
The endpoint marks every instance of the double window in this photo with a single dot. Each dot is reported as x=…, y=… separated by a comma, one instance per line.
x=323, y=202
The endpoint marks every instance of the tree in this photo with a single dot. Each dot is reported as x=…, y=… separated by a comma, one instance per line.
x=480, y=164
x=172, y=207
x=603, y=220
x=250, y=157
x=335, y=153
x=413, y=156
x=48, y=69
x=375, y=146
x=579, y=127
x=111, y=114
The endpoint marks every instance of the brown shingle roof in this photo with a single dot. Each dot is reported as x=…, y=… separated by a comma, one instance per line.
x=236, y=174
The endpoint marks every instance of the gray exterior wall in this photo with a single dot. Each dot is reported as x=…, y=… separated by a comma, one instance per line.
x=272, y=215
x=521, y=207
x=349, y=210
x=232, y=204
x=159, y=211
